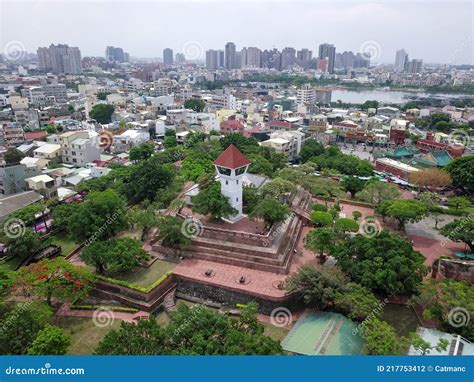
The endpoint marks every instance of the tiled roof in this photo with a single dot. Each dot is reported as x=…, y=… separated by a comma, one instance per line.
x=231, y=158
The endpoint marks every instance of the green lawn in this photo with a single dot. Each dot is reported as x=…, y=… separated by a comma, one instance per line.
x=85, y=335
x=274, y=332
x=67, y=245
x=14, y=262
x=144, y=277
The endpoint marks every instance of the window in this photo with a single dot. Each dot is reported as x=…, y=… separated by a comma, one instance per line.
x=236, y=199
x=237, y=181
x=226, y=182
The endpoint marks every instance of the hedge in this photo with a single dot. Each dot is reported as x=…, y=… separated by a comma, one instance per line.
x=107, y=307
x=133, y=286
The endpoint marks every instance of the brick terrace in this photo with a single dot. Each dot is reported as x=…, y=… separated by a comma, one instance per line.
x=262, y=284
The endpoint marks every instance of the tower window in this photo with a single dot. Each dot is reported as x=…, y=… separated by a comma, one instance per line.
x=237, y=181
x=236, y=199
x=226, y=182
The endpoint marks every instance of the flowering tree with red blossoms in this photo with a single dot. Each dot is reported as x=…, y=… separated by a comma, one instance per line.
x=55, y=278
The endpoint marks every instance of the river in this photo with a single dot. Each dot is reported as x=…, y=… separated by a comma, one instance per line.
x=382, y=96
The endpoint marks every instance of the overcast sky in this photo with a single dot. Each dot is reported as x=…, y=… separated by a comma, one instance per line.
x=436, y=31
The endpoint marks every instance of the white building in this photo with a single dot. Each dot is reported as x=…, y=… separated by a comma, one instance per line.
x=286, y=142
x=129, y=139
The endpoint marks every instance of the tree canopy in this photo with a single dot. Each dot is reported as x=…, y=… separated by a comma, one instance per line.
x=116, y=255
x=461, y=172
x=102, y=113
x=385, y=263
x=191, y=331
x=210, y=201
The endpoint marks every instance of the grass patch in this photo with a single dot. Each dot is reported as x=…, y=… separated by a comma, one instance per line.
x=67, y=245
x=85, y=335
x=144, y=277
x=274, y=332
x=132, y=233
x=13, y=262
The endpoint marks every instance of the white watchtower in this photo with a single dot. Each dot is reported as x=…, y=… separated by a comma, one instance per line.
x=231, y=166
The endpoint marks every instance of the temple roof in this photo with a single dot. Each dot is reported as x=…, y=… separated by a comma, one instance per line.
x=232, y=158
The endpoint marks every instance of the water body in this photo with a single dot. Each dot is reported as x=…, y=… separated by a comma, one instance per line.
x=382, y=96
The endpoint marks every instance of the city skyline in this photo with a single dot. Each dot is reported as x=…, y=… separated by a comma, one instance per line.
x=436, y=36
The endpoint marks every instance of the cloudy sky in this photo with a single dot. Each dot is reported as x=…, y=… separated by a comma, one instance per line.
x=436, y=31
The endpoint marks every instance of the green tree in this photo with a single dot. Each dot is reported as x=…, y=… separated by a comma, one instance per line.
x=317, y=287
x=102, y=113
x=385, y=263
x=191, y=331
x=369, y=105
x=196, y=165
x=461, y=172
x=245, y=145
x=251, y=198
x=13, y=156
x=461, y=230
x=102, y=96
x=195, y=104
x=260, y=165
x=116, y=255
x=310, y=148
x=424, y=347
x=170, y=141
x=277, y=187
x=357, y=302
x=6, y=281
x=210, y=201
x=101, y=216
x=378, y=192
x=344, y=225
x=356, y=215
x=144, y=218
x=320, y=240
x=451, y=303
x=406, y=211
x=51, y=129
x=50, y=340
x=25, y=245
x=321, y=219
x=147, y=180
x=145, y=337
x=271, y=211
x=459, y=202
x=352, y=185
x=21, y=326
x=171, y=232
x=381, y=338
x=55, y=278
x=319, y=207
x=141, y=152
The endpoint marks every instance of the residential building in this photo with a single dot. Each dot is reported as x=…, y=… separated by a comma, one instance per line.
x=168, y=56
x=232, y=126
x=48, y=151
x=12, y=133
x=129, y=139
x=414, y=66
x=77, y=148
x=28, y=119
x=12, y=178
x=43, y=184
x=401, y=59
x=230, y=56
x=115, y=54
x=213, y=59
x=288, y=58
x=60, y=58
x=285, y=142
x=306, y=94
x=328, y=51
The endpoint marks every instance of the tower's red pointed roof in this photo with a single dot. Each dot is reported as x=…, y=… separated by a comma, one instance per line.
x=231, y=157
